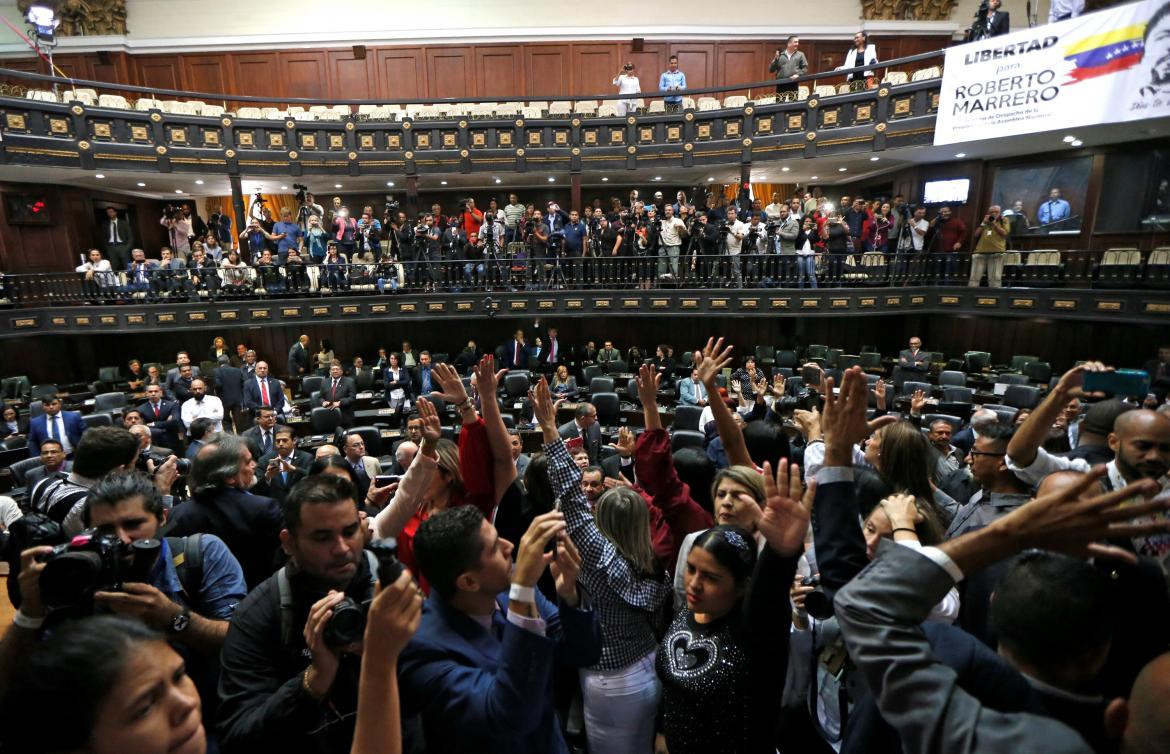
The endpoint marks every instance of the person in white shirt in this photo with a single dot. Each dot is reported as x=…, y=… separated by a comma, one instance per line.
x=733, y=245
x=773, y=209
x=862, y=53
x=670, y=236
x=202, y=406
x=1060, y=10
x=627, y=83
x=99, y=275
x=918, y=228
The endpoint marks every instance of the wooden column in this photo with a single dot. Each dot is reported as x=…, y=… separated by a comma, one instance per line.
x=238, y=206
x=575, y=192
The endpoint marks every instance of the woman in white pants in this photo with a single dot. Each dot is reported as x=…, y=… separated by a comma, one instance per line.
x=627, y=587
x=627, y=83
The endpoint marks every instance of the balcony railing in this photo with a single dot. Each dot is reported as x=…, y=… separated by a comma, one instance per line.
x=1118, y=269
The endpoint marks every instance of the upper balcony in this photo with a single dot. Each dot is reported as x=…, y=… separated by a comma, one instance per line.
x=91, y=125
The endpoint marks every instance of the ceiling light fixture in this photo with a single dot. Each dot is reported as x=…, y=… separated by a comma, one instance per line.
x=499, y=181
x=785, y=170
x=442, y=183
x=100, y=175
x=337, y=185
x=178, y=191
x=390, y=184
x=874, y=159
x=199, y=182
x=1069, y=139
x=961, y=155
x=709, y=180
x=813, y=177
x=658, y=178
x=141, y=184
x=841, y=170
x=1076, y=143
x=551, y=179
x=605, y=179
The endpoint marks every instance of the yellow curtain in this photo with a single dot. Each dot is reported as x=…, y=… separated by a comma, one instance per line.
x=274, y=202
x=761, y=191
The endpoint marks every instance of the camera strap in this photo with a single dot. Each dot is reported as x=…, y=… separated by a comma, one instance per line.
x=284, y=588
x=187, y=558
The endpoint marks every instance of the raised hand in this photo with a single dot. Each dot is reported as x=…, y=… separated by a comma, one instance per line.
x=393, y=618
x=432, y=428
x=736, y=387
x=626, y=442
x=647, y=381
x=715, y=357
x=879, y=392
x=565, y=566
x=1071, y=382
x=779, y=384
x=543, y=408
x=452, y=390
x=531, y=558
x=485, y=376
x=917, y=401
x=843, y=421
x=785, y=519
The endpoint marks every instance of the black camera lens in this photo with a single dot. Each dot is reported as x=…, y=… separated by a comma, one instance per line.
x=68, y=577
x=182, y=465
x=347, y=625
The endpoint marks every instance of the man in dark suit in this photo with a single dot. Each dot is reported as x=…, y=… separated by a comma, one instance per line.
x=516, y=352
x=553, y=354
x=262, y=390
x=584, y=425
x=64, y=426
x=261, y=437
x=420, y=377
x=487, y=687
x=285, y=466
x=117, y=238
x=914, y=357
x=221, y=504
x=174, y=373
x=162, y=416
x=52, y=461
x=229, y=387
x=340, y=392
x=298, y=357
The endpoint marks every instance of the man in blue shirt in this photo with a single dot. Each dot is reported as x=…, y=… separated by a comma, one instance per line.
x=575, y=232
x=1054, y=210
x=672, y=79
x=288, y=235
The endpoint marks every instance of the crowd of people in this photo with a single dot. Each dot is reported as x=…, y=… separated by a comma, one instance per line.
x=832, y=569
x=800, y=241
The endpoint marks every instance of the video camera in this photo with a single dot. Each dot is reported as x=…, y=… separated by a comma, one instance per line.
x=92, y=562
x=348, y=622
x=302, y=189
x=392, y=206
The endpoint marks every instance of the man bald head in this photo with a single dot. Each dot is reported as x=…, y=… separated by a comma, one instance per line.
x=1143, y=721
x=325, y=451
x=1141, y=442
x=1059, y=481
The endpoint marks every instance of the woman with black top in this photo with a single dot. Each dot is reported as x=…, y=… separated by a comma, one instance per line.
x=807, y=243
x=722, y=658
x=835, y=234
x=397, y=381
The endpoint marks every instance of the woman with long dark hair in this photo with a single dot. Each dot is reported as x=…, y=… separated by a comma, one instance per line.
x=626, y=584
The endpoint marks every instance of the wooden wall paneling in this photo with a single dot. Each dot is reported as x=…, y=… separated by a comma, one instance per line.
x=499, y=70
x=162, y=71
x=449, y=72
x=257, y=74
x=546, y=70
x=208, y=73
x=648, y=64
x=350, y=77
x=740, y=62
x=593, y=67
x=697, y=61
x=401, y=72
x=302, y=74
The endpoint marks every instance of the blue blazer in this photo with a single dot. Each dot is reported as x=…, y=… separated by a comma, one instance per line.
x=38, y=431
x=686, y=393
x=476, y=692
x=253, y=399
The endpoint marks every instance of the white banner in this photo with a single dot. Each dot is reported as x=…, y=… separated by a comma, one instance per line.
x=1105, y=67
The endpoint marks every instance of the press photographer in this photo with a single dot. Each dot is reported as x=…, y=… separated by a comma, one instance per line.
x=177, y=220
x=292, y=658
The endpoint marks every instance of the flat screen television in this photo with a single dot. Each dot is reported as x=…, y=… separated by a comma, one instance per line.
x=952, y=190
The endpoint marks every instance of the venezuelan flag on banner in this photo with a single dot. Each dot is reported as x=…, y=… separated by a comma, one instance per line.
x=1110, y=52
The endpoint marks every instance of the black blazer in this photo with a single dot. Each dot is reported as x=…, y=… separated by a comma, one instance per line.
x=592, y=438
x=229, y=386
x=248, y=524
x=401, y=380
x=999, y=24
x=123, y=233
x=346, y=392
x=298, y=360
x=169, y=422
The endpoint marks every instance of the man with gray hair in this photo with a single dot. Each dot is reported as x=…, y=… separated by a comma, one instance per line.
x=990, y=244
x=404, y=456
x=981, y=421
x=221, y=476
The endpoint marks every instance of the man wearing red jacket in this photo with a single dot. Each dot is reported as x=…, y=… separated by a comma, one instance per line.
x=471, y=218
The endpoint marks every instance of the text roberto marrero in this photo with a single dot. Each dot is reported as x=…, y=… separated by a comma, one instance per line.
x=1008, y=91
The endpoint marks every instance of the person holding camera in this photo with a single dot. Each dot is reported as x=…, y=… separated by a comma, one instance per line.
x=950, y=233
x=990, y=245
x=291, y=660
x=177, y=221
x=627, y=83
x=733, y=232
x=672, y=80
x=256, y=238
x=838, y=244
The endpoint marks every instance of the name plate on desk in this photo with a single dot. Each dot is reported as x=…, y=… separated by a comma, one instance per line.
x=386, y=412
x=365, y=395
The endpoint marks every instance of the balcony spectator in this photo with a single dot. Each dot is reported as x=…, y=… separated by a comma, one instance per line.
x=235, y=273
x=256, y=239
x=950, y=234
x=344, y=231
x=1054, y=210
x=861, y=53
x=806, y=253
x=672, y=80
x=627, y=83
x=883, y=221
x=98, y=278
x=513, y=212
x=118, y=238
x=314, y=241
x=211, y=247
x=309, y=209
x=369, y=230
x=788, y=64
x=219, y=226
x=140, y=275
x=296, y=274
x=336, y=268
x=203, y=273
x=1060, y=10
x=269, y=274
x=838, y=243
x=990, y=245
x=470, y=218
x=855, y=217
x=177, y=221
x=287, y=235
x=997, y=22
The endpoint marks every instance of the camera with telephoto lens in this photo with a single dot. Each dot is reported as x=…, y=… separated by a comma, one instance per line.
x=302, y=189
x=723, y=228
x=392, y=205
x=93, y=561
x=347, y=625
